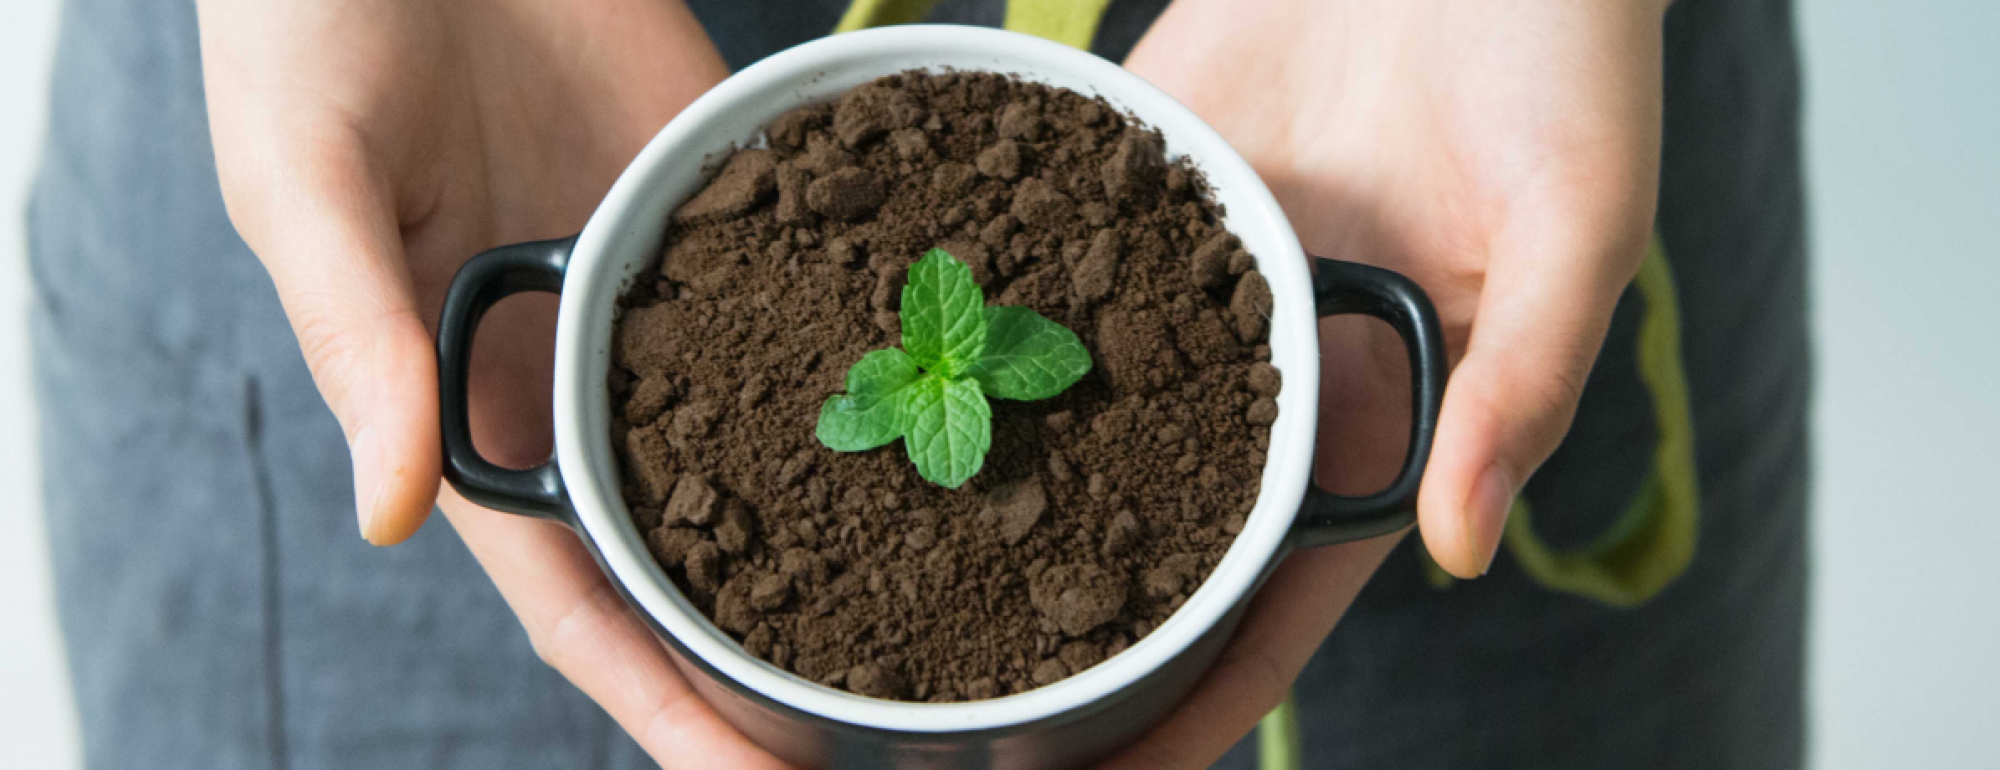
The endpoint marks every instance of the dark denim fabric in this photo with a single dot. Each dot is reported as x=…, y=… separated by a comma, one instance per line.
x=220, y=612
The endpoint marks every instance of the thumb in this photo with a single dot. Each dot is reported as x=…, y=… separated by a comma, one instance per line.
x=1541, y=320
x=326, y=232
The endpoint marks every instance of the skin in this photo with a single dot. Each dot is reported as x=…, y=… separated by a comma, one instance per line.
x=1503, y=155
x=366, y=149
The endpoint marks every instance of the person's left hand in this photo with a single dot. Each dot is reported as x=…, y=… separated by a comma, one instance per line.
x=1503, y=155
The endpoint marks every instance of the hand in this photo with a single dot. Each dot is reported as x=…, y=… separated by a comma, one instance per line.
x=1503, y=155
x=366, y=149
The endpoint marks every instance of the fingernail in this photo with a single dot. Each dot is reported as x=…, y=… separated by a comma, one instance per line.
x=367, y=454
x=1491, y=497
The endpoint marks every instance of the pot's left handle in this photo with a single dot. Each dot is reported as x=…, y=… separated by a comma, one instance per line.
x=487, y=279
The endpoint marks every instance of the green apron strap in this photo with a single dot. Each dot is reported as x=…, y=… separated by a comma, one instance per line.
x=1278, y=745
x=1653, y=541
x=862, y=14
x=1070, y=22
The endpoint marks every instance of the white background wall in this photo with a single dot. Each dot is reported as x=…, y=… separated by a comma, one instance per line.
x=37, y=720
x=1904, y=152
x=1903, y=133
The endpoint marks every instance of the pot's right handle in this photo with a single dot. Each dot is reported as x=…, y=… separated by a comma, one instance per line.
x=484, y=280
x=1342, y=288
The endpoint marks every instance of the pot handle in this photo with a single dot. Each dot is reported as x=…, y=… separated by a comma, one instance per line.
x=484, y=280
x=1341, y=288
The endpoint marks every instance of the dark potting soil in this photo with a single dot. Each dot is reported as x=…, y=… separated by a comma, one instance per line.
x=1098, y=511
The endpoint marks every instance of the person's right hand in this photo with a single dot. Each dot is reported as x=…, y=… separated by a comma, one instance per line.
x=366, y=148
x=1503, y=155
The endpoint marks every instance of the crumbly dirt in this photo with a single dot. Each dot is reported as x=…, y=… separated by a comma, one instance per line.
x=1097, y=513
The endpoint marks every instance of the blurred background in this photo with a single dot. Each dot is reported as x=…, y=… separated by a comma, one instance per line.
x=1903, y=157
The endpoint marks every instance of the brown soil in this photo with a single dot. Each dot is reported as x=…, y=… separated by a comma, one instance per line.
x=1097, y=513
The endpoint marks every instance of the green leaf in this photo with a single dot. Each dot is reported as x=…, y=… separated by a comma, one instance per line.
x=1028, y=357
x=880, y=374
x=943, y=326
x=949, y=429
x=871, y=413
x=846, y=425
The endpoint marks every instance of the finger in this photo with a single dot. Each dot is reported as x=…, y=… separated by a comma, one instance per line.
x=326, y=231
x=1550, y=289
x=1289, y=617
x=580, y=626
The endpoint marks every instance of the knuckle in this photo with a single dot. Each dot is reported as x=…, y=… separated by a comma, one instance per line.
x=1261, y=673
x=1555, y=403
x=557, y=643
x=345, y=351
x=1565, y=386
x=332, y=349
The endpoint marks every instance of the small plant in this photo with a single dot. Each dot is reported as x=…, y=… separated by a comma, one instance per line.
x=956, y=352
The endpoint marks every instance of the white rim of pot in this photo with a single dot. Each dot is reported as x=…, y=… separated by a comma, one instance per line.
x=583, y=334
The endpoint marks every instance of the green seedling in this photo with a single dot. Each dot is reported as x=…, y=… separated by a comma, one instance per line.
x=956, y=353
